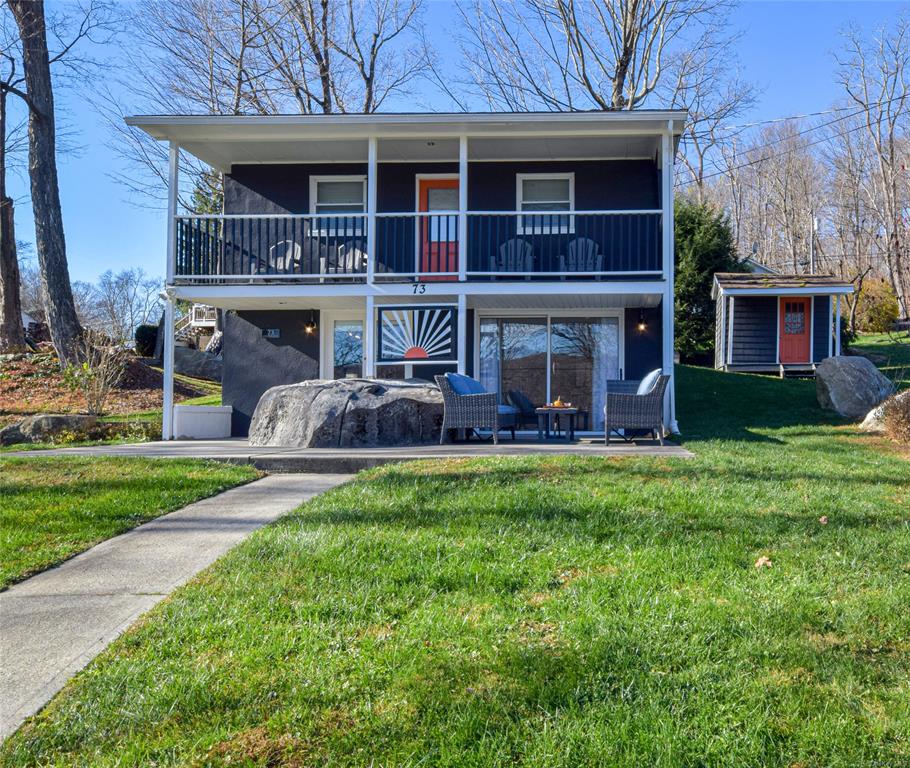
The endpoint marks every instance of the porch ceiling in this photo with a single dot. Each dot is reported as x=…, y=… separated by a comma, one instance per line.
x=492, y=301
x=222, y=141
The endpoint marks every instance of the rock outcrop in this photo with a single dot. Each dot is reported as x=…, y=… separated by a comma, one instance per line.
x=851, y=386
x=47, y=427
x=875, y=419
x=347, y=413
x=198, y=364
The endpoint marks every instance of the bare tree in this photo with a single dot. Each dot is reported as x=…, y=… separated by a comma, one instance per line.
x=561, y=55
x=874, y=74
x=123, y=300
x=258, y=57
x=36, y=91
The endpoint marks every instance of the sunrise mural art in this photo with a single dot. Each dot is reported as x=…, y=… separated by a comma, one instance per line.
x=415, y=335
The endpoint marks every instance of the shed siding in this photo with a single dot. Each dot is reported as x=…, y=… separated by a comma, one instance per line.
x=755, y=330
x=821, y=319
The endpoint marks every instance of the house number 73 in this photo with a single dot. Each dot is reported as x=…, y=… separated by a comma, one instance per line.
x=420, y=288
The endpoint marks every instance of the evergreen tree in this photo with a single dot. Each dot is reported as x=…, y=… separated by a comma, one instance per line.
x=704, y=246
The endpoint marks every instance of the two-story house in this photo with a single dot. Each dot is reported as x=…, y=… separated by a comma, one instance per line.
x=533, y=251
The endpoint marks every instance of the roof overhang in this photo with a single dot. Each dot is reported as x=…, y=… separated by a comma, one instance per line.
x=223, y=140
x=834, y=289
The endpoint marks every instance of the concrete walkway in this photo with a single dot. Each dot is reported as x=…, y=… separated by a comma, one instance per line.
x=55, y=623
x=348, y=460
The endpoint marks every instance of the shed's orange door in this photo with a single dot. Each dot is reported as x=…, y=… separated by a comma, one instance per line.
x=438, y=231
x=794, y=329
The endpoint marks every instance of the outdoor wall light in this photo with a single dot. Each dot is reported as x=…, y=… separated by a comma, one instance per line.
x=642, y=325
x=309, y=327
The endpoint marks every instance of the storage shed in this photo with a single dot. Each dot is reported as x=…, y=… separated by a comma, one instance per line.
x=776, y=323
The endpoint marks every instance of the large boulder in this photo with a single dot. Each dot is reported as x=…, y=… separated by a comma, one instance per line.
x=850, y=386
x=875, y=419
x=47, y=427
x=347, y=413
x=198, y=364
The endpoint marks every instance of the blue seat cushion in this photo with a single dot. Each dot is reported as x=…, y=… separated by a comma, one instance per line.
x=648, y=382
x=507, y=410
x=464, y=385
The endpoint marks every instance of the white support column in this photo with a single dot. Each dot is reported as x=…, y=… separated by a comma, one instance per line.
x=830, y=327
x=173, y=179
x=730, y=321
x=462, y=209
x=722, y=352
x=372, y=164
x=668, y=269
x=462, y=332
x=369, y=338
x=837, y=326
x=167, y=409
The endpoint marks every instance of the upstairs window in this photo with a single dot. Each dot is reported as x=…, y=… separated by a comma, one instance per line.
x=548, y=193
x=339, y=195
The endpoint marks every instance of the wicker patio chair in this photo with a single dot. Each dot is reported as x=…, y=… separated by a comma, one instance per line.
x=476, y=411
x=625, y=409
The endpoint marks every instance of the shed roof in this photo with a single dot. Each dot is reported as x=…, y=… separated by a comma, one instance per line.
x=752, y=284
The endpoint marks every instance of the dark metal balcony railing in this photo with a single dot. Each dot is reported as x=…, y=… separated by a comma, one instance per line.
x=418, y=246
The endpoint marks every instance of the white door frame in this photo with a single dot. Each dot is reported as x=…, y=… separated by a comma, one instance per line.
x=327, y=320
x=418, y=177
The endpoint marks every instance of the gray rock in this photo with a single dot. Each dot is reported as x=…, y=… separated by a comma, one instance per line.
x=345, y=413
x=198, y=364
x=850, y=386
x=11, y=435
x=875, y=419
x=46, y=426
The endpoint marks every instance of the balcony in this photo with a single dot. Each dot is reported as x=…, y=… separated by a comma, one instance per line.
x=418, y=247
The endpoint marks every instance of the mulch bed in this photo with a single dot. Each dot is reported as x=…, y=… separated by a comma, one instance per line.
x=34, y=384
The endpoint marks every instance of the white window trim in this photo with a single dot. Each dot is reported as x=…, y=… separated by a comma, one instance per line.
x=349, y=231
x=543, y=229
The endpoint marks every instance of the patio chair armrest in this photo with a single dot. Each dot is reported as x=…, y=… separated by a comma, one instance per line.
x=622, y=386
x=479, y=399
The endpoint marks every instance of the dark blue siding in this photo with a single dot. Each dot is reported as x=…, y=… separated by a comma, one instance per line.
x=643, y=351
x=599, y=184
x=755, y=330
x=253, y=364
x=821, y=319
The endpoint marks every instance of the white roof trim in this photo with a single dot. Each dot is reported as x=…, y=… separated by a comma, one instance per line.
x=815, y=290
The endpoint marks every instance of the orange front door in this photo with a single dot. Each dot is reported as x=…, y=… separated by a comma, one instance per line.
x=438, y=239
x=794, y=330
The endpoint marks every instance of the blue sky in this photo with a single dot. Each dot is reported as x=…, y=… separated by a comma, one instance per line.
x=785, y=50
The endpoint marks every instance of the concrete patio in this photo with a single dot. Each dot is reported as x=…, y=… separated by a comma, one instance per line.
x=347, y=460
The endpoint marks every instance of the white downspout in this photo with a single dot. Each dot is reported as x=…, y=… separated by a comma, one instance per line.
x=462, y=333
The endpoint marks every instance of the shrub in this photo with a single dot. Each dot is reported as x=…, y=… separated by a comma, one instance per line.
x=146, y=336
x=877, y=309
x=897, y=418
x=102, y=367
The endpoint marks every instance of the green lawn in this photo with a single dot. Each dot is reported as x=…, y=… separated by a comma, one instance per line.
x=541, y=612
x=54, y=507
x=890, y=352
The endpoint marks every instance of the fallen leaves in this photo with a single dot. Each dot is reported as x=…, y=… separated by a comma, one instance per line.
x=763, y=562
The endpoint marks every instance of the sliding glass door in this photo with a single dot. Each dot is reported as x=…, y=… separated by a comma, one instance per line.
x=513, y=356
x=552, y=356
x=584, y=354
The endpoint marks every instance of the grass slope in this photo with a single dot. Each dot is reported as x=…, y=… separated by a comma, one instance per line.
x=890, y=352
x=541, y=612
x=52, y=508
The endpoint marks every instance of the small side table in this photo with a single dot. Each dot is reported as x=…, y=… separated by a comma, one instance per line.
x=545, y=425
